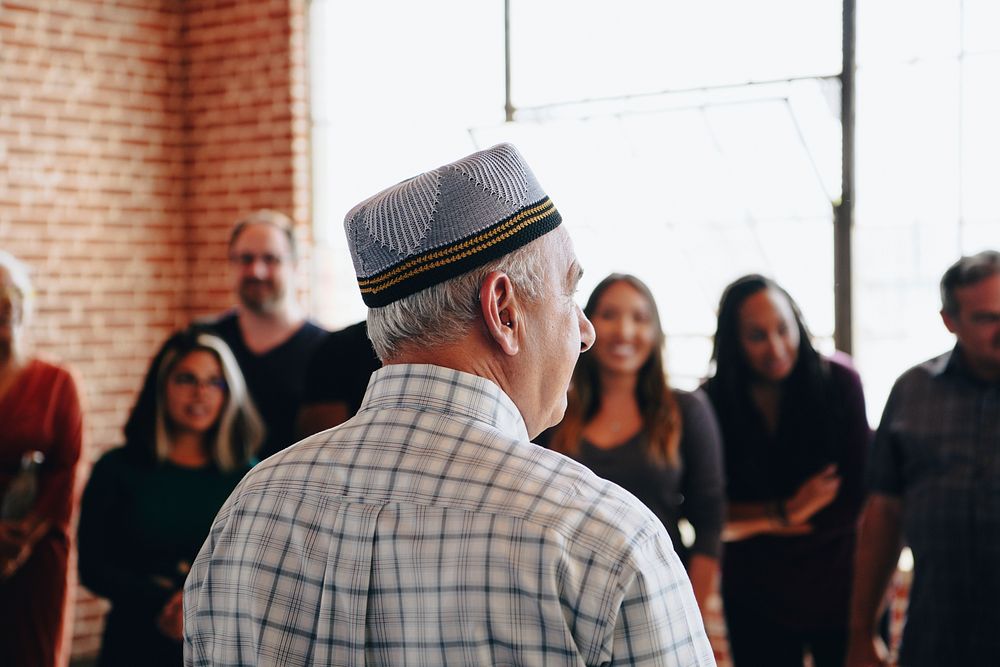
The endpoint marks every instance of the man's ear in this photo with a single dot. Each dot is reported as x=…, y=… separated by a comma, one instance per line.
x=949, y=321
x=501, y=313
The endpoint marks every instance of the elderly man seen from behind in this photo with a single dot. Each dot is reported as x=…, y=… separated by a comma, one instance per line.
x=428, y=529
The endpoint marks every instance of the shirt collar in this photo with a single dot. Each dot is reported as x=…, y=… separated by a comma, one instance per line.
x=948, y=363
x=952, y=364
x=429, y=388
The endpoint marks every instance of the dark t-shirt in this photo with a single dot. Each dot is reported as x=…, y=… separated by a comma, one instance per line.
x=341, y=367
x=276, y=379
x=693, y=489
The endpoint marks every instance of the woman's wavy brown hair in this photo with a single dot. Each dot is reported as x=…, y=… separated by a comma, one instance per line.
x=661, y=419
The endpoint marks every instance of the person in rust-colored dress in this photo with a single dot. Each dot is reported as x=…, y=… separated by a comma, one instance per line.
x=39, y=412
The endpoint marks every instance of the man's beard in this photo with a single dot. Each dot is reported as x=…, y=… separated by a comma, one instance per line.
x=261, y=301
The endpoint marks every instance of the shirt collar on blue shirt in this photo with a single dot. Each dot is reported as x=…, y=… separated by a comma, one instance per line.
x=953, y=364
x=947, y=363
x=430, y=388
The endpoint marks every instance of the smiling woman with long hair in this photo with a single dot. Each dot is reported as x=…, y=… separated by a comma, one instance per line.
x=625, y=423
x=148, y=506
x=795, y=437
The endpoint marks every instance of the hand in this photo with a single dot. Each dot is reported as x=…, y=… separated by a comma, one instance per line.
x=867, y=651
x=171, y=618
x=790, y=530
x=815, y=493
x=17, y=541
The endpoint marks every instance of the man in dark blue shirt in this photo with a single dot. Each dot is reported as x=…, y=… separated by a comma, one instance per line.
x=935, y=482
x=268, y=331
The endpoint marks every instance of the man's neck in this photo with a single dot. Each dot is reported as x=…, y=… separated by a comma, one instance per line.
x=264, y=331
x=472, y=354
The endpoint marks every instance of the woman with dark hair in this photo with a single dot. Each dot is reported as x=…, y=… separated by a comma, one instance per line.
x=625, y=423
x=795, y=437
x=149, y=505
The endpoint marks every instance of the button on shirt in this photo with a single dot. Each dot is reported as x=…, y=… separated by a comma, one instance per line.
x=428, y=530
x=938, y=449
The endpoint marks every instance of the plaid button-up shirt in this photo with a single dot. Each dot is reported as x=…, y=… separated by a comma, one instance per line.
x=938, y=449
x=427, y=530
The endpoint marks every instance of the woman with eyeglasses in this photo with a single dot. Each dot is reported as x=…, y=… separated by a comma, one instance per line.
x=41, y=432
x=149, y=505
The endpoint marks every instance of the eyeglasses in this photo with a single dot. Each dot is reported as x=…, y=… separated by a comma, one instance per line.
x=190, y=381
x=249, y=259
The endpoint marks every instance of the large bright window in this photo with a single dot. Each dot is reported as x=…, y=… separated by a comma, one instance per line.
x=687, y=143
x=639, y=118
x=927, y=146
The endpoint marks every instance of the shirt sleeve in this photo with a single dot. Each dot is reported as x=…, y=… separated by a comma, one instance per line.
x=57, y=483
x=857, y=440
x=884, y=474
x=702, y=482
x=659, y=622
x=854, y=437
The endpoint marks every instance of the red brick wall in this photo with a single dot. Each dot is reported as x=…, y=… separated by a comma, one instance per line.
x=132, y=133
x=246, y=126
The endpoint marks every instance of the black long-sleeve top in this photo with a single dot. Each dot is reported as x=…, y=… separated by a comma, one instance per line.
x=804, y=581
x=141, y=526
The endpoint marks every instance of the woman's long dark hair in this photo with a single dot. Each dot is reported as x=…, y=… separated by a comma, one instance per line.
x=661, y=420
x=807, y=386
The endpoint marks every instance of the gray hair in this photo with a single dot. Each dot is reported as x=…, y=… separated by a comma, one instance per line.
x=239, y=430
x=20, y=277
x=442, y=313
x=967, y=271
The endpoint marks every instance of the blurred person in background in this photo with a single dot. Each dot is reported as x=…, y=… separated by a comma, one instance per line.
x=935, y=485
x=41, y=434
x=624, y=422
x=795, y=438
x=148, y=505
x=267, y=331
x=336, y=379
x=270, y=336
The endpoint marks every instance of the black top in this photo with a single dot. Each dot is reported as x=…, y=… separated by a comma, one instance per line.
x=804, y=581
x=692, y=490
x=141, y=526
x=276, y=379
x=341, y=367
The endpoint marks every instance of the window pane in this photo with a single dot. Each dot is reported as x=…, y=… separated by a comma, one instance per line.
x=980, y=138
x=898, y=31
x=981, y=25
x=391, y=99
x=579, y=49
x=926, y=167
x=687, y=190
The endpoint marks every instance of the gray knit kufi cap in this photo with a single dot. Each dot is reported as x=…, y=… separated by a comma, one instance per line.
x=446, y=222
